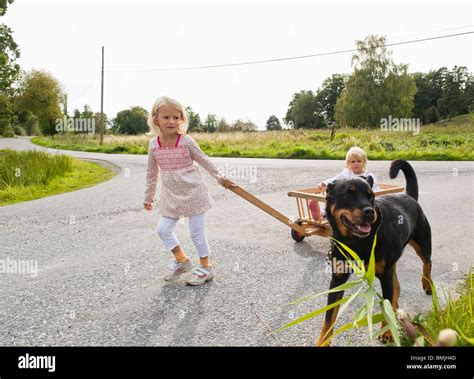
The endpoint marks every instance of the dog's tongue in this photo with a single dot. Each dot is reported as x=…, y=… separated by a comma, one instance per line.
x=365, y=228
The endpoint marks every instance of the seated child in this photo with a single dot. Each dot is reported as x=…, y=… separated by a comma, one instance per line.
x=356, y=165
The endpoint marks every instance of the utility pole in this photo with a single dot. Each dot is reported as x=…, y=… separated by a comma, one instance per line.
x=65, y=112
x=65, y=104
x=102, y=101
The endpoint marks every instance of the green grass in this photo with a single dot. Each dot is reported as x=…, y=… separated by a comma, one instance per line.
x=29, y=175
x=457, y=314
x=81, y=142
x=447, y=140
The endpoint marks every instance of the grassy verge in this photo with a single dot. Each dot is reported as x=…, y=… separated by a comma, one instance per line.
x=453, y=140
x=32, y=175
x=457, y=314
x=81, y=142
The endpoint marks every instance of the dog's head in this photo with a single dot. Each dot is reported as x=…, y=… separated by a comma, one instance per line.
x=350, y=207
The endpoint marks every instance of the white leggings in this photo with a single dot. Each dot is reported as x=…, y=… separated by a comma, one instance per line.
x=197, y=232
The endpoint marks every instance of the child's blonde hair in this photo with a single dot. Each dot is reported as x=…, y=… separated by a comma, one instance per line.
x=357, y=152
x=161, y=101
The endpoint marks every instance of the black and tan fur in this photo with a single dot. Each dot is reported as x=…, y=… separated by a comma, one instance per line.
x=355, y=215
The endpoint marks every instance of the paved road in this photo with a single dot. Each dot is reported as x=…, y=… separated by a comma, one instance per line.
x=100, y=262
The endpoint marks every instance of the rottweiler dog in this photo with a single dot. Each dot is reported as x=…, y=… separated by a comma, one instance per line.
x=355, y=215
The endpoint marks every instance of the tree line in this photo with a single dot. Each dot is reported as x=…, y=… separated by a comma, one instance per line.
x=378, y=88
x=134, y=121
x=31, y=102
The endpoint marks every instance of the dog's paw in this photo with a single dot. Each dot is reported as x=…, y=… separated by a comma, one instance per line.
x=426, y=287
x=386, y=337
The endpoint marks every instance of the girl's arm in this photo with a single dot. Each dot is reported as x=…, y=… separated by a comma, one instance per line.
x=151, y=177
x=200, y=157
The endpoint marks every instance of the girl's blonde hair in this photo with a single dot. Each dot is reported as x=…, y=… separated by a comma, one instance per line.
x=357, y=152
x=160, y=102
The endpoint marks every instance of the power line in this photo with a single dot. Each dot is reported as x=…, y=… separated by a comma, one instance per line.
x=87, y=89
x=431, y=32
x=287, y=58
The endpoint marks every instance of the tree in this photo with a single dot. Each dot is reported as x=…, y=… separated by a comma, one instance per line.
x=429, y=89
x=302, y=112
x=273, y=123
x=9, y=53
x=9, y=69
x=77, y=113
x=4, y=5
x=210, y=123
x=87, y=112
x=244, y=126
x=97, y=123
x=6, y=113
x=469, y=93
x=29, y=122
x=89, y=116
x=31, y=125
x=454, y=100
x=377, y=88
x=431, y=115
x=223, y=126
x=41, y=94
x=399, y=92
x=194, y=120
x=354, y=107
x=423, y=97
x=327, y=95
x=131, y=121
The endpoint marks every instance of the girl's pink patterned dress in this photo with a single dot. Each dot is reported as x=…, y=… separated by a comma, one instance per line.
x=183, y=191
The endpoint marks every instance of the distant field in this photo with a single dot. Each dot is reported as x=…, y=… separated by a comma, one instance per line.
x=451, y=140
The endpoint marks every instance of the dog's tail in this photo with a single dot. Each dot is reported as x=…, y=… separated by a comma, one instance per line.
x=410, y=176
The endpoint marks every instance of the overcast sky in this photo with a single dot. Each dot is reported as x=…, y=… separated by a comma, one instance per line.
x=65, y=38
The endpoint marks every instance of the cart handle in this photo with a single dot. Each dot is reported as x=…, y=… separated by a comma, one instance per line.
x=262, y=205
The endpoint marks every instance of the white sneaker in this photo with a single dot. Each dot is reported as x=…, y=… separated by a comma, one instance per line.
x=200, y=276
x=178, y=270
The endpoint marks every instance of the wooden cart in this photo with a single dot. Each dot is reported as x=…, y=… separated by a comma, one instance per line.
x=305, y=225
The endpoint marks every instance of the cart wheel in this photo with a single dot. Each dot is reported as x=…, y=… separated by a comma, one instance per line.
x=298, y=237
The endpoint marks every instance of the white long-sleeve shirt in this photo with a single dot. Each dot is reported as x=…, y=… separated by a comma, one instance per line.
x=347, y=174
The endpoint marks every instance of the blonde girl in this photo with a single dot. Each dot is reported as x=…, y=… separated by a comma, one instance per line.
x=184, y=194
x=356, y=166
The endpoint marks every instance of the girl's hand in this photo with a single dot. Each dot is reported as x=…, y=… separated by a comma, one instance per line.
x=148, y=207
x=322, y=187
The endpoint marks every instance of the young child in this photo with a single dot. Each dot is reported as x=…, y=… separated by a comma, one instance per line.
x=356, y=166
x=184, y=193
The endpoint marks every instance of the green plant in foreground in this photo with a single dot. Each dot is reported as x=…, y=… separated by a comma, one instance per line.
x=450, y=325
x=456, y=317
x=364, y=316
